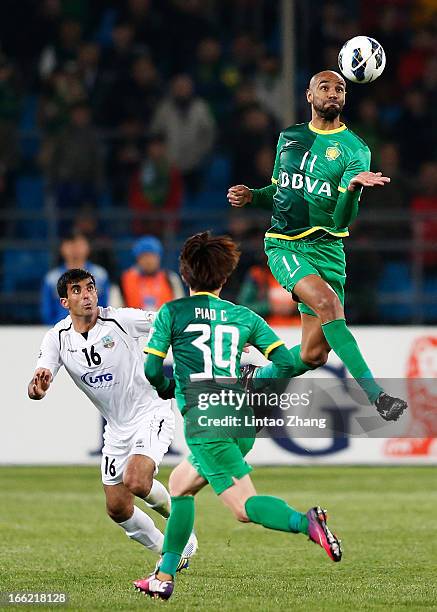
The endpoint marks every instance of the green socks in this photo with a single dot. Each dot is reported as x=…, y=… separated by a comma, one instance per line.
x=271, y=371
x=177, y=532
x=345, y=346
x=274, y=513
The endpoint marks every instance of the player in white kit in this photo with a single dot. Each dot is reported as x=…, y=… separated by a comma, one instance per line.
x=99, y=348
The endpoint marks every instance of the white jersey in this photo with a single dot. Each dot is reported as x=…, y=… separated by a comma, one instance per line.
x=107, y=365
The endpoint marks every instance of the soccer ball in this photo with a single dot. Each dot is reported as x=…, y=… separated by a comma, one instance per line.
x=361, y=59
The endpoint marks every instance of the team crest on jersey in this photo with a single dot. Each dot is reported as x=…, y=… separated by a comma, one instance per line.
x=108, y=341
x=150, y=316
x=332, y=153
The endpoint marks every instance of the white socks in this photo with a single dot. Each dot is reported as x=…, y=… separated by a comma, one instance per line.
x=141, y=528
x=159, y=499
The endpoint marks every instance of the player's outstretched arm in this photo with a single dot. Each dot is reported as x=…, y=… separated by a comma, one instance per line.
x=39, y=384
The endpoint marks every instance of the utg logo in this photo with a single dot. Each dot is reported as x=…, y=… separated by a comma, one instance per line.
x=97, y=380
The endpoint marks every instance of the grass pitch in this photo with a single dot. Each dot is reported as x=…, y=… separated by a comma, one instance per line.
x=55, y=536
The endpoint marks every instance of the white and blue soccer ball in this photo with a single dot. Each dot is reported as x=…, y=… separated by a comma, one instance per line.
x=361, y=59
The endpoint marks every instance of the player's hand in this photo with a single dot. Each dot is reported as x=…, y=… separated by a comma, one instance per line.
x=367, y=179
x=239, y=195
x=39, y=384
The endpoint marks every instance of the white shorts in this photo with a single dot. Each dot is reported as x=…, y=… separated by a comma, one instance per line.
x=151, y=438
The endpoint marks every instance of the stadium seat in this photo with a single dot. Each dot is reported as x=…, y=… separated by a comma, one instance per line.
x=23, y=270
x=30, y=192
x=30, y=197
x=430, y=306
x=30, y=139
x=396, y=278
x=218, y=172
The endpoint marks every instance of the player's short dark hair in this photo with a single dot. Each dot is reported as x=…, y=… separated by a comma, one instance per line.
x=207, y=261
x=72, y=276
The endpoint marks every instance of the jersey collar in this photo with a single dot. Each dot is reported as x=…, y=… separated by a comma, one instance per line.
x=336, y=131
x=205, y=293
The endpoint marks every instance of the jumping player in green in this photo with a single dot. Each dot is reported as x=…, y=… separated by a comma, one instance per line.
x=319, y=172
x=207, y=336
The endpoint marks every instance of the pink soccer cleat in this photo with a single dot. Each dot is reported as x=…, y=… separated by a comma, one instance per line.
x=158, y=589
x=319, y=533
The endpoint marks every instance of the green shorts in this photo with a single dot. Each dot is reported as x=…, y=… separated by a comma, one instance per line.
x=292, y=260
x=218, y=461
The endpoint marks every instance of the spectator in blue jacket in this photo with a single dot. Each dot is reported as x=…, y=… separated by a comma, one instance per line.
x=74, y=252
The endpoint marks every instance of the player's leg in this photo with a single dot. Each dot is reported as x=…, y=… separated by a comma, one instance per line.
x=271, y=512
x=299, y=268
x=320, y=297
x=288, y=266
x=184, y=483
x=148, y=445
x=138, y=478
x=185, y=479
x=310, y=354
x=136, y=523
x=120, y=501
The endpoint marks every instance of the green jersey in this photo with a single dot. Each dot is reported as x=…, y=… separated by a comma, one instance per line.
x=207, y=336
x=312, y=167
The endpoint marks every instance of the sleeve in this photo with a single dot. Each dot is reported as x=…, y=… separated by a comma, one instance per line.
x=283, y=361
x=159, y=339
x=154, y=372
x=275, y=174
x=263, y=198
x=359, y=163
x=136, y=322
x=346, y=208
x=262, y=336
x=49, y=355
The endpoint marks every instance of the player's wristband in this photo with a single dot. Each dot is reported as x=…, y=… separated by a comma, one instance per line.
x=169, y=392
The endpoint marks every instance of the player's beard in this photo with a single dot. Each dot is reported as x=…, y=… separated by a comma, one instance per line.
x=325, y=111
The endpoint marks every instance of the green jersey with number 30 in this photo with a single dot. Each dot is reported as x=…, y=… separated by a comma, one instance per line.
x=207, y=336
x=312, y=167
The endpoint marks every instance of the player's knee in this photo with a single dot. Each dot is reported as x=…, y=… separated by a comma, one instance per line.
x=119, y=511
x=140, y=487
x=240, y=514
x=174, y=486
x=315, y=358
x=328, y=306
x=177, y=489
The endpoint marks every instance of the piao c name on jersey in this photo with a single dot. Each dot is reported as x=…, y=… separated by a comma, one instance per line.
x=96, y=380
x=299, y=181
x=209, y=313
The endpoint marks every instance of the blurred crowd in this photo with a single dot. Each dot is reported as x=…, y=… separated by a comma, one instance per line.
x=132, y=106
